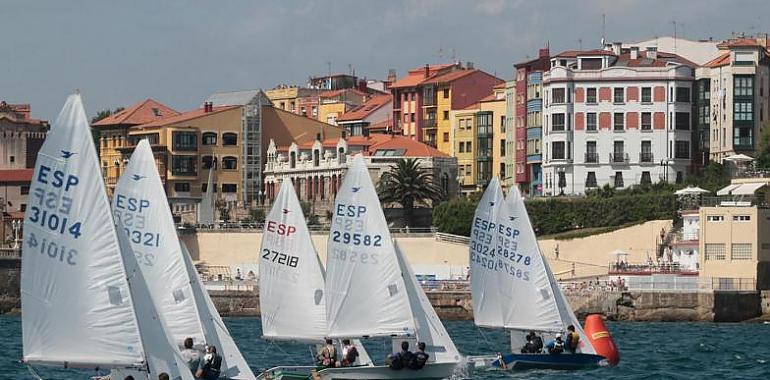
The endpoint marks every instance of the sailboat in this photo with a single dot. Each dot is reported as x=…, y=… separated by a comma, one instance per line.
x=84, y=303
x=291, y=283
x=513, y=288
x=370, y=289
x=142, y=213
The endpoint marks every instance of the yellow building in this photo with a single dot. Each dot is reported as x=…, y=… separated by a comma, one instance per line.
x=113, y=135
x=734, y=238
x=338, y=102
x=495, y=104
x=302, y=101
x=464, y=141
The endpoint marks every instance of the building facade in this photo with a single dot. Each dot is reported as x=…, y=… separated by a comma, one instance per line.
x=492, y=120
x=616, y=117
x=377, y=110
x=464, y=149
x=298, y=100
x=528, y=132
x=22, y=136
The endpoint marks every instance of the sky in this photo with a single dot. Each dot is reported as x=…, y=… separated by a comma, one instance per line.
x=179, y=52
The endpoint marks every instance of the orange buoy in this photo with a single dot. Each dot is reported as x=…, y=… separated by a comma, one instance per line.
x=600, y=338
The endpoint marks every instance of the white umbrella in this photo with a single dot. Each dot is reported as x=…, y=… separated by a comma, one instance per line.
x=739, y=158
x=690, y=190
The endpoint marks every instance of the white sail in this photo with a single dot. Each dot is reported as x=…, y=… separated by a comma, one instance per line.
x=141, y=212
x=485, y=274
x=160, y=351
x=206, y=209
x=76, y=303
x=428, y=326
x=531, y=297
x=291, y=278
x=234, y=365
x=364, y=288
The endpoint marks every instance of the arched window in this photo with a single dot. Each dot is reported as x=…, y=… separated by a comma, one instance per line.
x=229, y=163
x=292, y=159
x=209, y=138
x=229, y=138
x=341, y=155
x=316, y=157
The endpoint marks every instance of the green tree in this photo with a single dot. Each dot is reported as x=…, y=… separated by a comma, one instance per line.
x=409, y=185
x=256, y=215
x=763, y=147
x=455, y=216
x=712, y=177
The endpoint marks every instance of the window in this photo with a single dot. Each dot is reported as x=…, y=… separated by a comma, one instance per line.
x=502, y=148
x=413, y=117
x=502, y=170
x=683, y=94
x=682, y=149
x=558, y=95
x=557, y=150
x=591, y=155
x=205, y=187
x=645, y=180
x=744, y=110
x=183, y=165
x=229, y=188
x=591, y=179
x=744, y=85
x=446, y=136
x=618, y=122
x=208, y=162
x=182, y=187
x=209, y=138
x=24, y=189
x=618, y=152
x=741, y=218
x=185, y=141
x=591, y=121
x=682, y=121
x=646, y=154
x=557, y=122
x=446, y=94
x=12, y=159
x=229, y=163
x=461, y=147
x=646, y=121
x=446, y=115
x=229, y=139
x=715, y=218
x=502, y=123
x=715, y=251
x=314, y=112
x=741, y=251
x=619, y=179
x=590, y=95
x=646, y=94
x=618, y=95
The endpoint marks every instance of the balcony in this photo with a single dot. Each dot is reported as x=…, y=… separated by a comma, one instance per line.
x=429, y=123
x=592, y=158
x=646, y=157
x=619, y=158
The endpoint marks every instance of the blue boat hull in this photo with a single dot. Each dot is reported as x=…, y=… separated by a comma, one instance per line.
x=548, y=361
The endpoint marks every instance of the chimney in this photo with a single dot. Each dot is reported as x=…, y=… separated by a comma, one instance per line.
x=362, y=85
x=634, y=52
x=391, y=75
x=426, y=72
x=617, y=48
x=652, y=52
x=208, y=107
x=544, y=53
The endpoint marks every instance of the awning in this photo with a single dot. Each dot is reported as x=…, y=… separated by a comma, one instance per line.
x=727, y=190
x=748, y=188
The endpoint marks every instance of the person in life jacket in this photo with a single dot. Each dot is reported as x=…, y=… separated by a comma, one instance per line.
x=573, y=339
x=534, y=344
x=349, y=354
x=419, y=358
x=327, y=355
x=555, y=346
x=399, y=360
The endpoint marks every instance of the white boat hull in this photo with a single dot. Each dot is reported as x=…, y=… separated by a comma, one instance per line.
x=430, y=371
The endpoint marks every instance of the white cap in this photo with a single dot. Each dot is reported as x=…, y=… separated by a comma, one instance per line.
x=558, y=335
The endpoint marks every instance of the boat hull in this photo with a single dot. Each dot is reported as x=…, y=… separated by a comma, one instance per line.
x=430, y=371
x=563, y=361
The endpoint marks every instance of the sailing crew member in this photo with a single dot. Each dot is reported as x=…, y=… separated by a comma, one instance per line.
x=163, y=376
x=399, y=360
x=419, y=358
x=191, y=356
x=573, y=339
x=534, y=344
x=211, y=366
x=555, y=346
x=501, y=361
x=349, y=354
x=327, y=355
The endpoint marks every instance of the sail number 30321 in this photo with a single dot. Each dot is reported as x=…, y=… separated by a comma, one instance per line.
x=280, y=258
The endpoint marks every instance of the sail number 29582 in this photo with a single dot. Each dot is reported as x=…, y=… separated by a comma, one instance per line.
x=357, y=239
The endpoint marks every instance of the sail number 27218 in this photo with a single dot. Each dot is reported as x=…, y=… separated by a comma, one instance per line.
x=280, y=258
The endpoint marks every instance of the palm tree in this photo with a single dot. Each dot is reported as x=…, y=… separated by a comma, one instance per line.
x=409, y=185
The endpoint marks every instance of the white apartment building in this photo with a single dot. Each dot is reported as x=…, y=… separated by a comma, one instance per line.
x=616, y=116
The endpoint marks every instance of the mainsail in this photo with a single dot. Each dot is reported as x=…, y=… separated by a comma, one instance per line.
x=428, y=326
x=77, y=308
x=206, y=208
x=141, y=211
x=291, y=278
x=485, y=273
x=234, y=366
x=364, y=287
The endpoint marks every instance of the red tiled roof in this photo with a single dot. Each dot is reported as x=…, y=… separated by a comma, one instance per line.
x=18, y=113
x=16, y=175
x=366, y=109
x=185, y=116
x=142, y=112
x=335, y=93
x=722, y=60
x=662, y=60
x=576, y=53
x=384, y=125
x=416, y=76
x=739, y=42
x=499, y=86
x=490, y=98
x=450, y=76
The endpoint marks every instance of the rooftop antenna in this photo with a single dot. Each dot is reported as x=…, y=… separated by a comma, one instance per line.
x=454, y=55
x=580, y=43
x=604, y=28
x=329, y=67
x=350, y=69
x=674, y=22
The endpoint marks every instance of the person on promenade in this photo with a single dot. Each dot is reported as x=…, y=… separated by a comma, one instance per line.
x=573, y=339
x=191, y=356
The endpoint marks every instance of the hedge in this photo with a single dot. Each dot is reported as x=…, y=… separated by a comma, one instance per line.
x=556, y=215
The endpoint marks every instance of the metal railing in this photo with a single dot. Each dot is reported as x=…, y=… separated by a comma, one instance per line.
x=646, y=157
x=619, y=158
x=592, y=158
x=449, y=238
x=734, y=201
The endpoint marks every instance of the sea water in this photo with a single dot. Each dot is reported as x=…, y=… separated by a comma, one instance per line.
x=647, y=350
